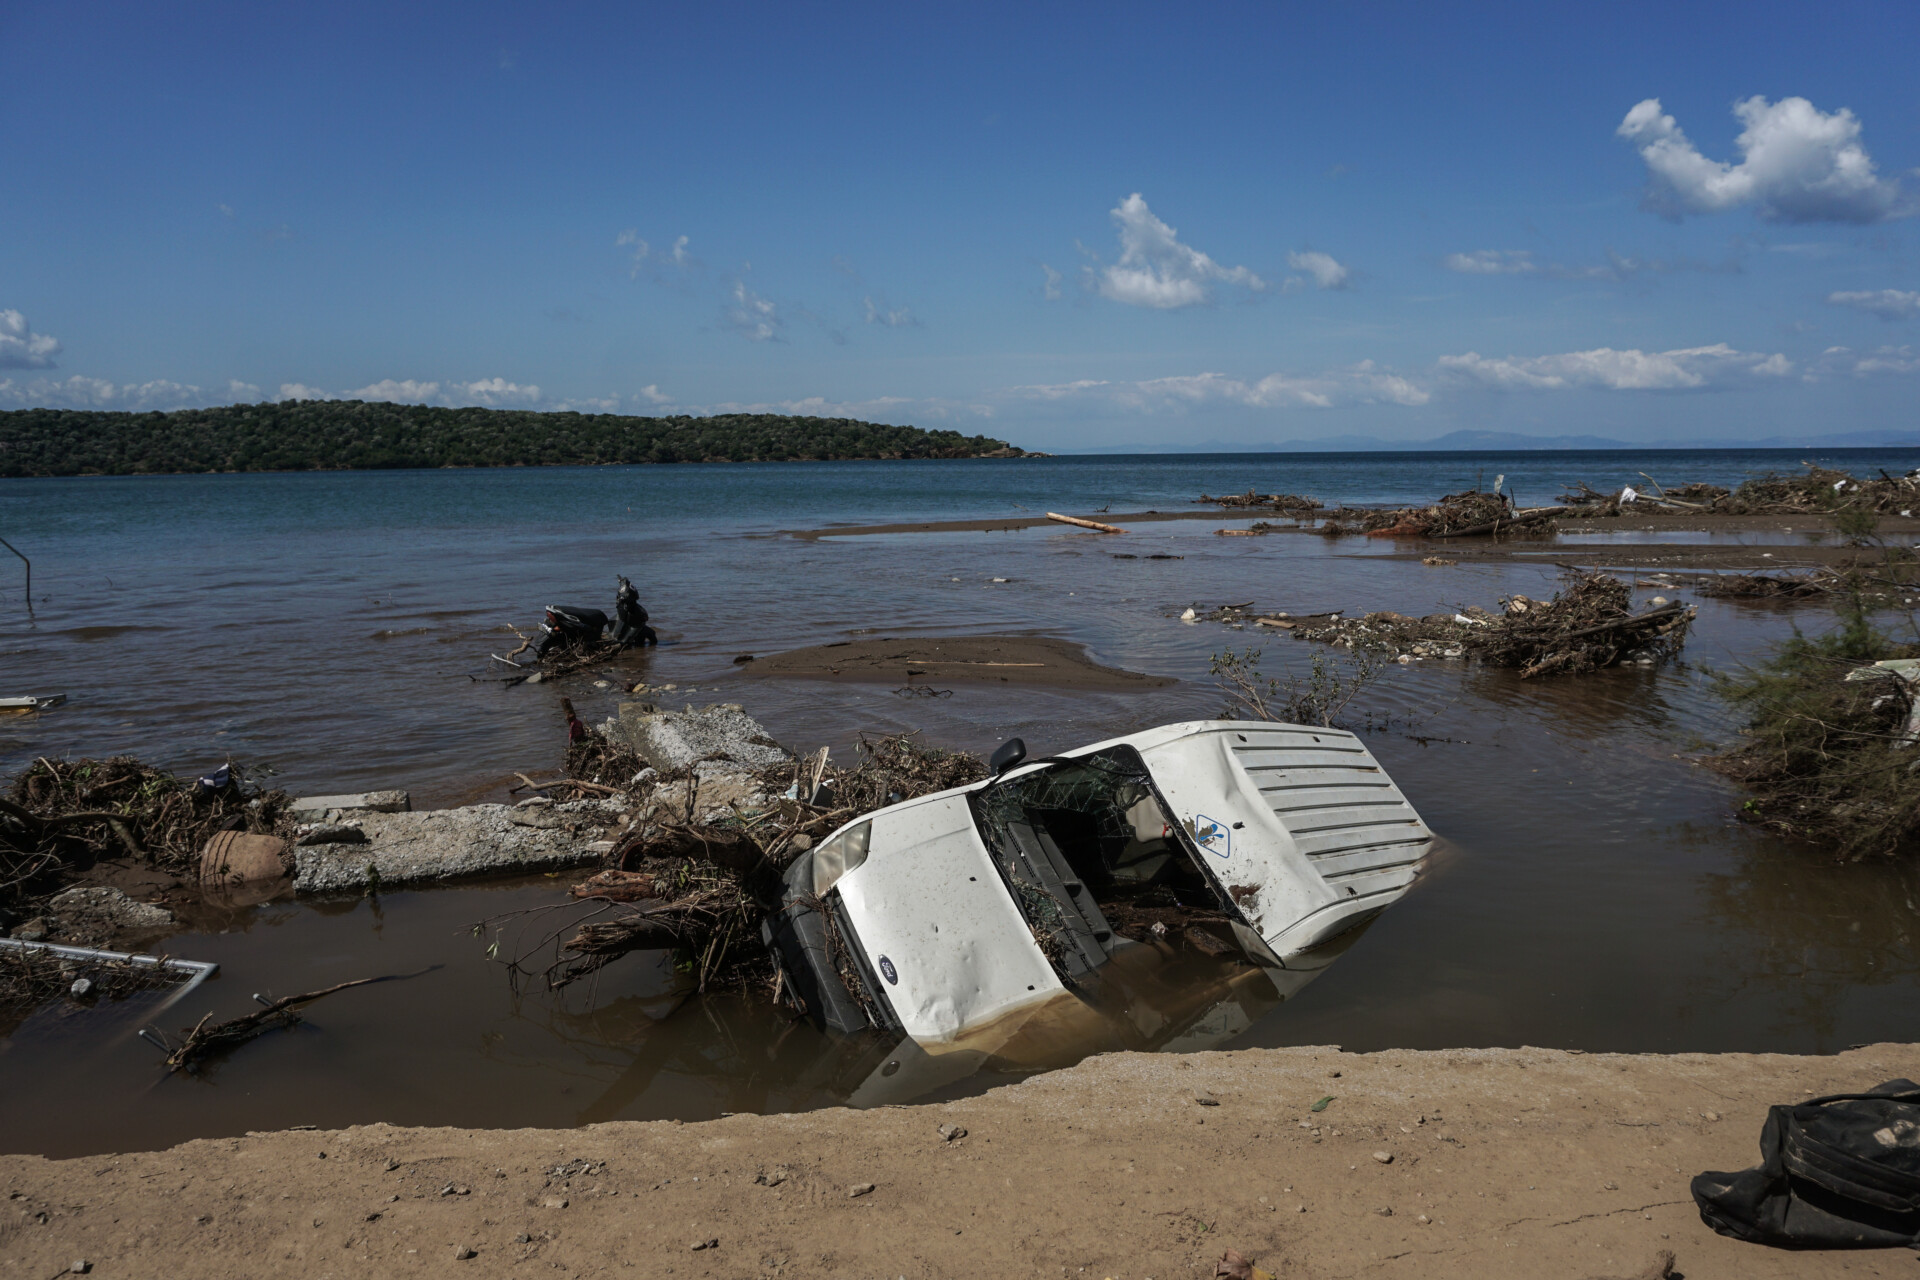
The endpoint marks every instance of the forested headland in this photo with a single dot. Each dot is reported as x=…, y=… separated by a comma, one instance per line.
x=323, y=435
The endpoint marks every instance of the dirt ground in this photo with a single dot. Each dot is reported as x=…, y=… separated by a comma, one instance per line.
x=942, y=660
x=1524, y=1163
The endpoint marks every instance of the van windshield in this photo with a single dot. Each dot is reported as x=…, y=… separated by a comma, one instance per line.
x=1095, y=861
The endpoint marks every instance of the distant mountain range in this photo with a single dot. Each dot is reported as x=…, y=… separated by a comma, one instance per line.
x=1509, y=441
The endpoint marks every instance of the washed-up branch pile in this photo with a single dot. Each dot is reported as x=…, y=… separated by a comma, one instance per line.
x=1251, y=501
x=64, y=815
x=697, y=876
x=1766, y=586
x=31, y=976
x=1817, y=491
x=1588, y=624
x=1826, y=758
x=1458, y=515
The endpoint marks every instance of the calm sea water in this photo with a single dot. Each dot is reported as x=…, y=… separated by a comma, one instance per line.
x=335, y=628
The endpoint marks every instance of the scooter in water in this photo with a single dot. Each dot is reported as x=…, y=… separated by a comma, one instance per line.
x=584, y=630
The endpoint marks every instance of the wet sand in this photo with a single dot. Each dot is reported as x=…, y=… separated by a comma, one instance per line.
x=934, y=661
x=1522, y=1163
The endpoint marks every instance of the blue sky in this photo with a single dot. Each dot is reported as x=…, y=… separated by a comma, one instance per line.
x=1071, y=226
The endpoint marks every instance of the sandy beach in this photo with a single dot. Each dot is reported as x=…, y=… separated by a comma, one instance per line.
x=938, y=660
x=1460, y=1163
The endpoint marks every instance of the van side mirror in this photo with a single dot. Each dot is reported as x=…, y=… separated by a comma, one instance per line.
x=1011, y=753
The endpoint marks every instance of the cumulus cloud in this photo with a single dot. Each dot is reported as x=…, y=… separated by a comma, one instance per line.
x=1688, y=369
x=1051, y=289
x=1888, y=304
x=752, y=316
x=300, y=391
x=652, y=394
x=1326, y=273
x=1798, y=164
x=495, y=393
x=21, y=347
x=1362, y=383
x=1155, y=269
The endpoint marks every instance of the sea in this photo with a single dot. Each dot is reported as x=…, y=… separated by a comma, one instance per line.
x=338, y=631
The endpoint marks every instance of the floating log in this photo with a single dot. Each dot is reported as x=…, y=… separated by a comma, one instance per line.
x=1085, y=524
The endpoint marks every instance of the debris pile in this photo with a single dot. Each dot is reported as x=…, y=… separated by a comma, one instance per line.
x=1830, y=742
x=1251, y=501
x=1817, y=491
x=62, y=816
x=1458, y=515
x=1587, y=625
x=1820, y=490
x=718, y=813
x=33, y=976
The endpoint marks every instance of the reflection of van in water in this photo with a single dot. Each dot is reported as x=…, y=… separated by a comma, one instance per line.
x=953, y=919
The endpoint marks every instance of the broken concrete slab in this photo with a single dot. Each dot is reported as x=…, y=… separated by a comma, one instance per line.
x=314, y=808
x=452, y=844
x=103, y=908
x=670, y=740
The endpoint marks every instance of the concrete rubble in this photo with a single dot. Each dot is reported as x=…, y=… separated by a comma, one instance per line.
x=450, y=844
x=355, y=843
x=97, y=908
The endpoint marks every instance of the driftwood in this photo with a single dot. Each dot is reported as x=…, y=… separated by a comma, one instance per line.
x=1095, y=525
x=203, y=1040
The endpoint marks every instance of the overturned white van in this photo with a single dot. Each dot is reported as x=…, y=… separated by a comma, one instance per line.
x=949, y=920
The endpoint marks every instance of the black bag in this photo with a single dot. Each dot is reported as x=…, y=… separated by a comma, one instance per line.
x=1835, y=1173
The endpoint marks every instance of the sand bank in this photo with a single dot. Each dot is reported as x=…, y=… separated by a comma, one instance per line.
x=1524, y=1163
x=947, y=660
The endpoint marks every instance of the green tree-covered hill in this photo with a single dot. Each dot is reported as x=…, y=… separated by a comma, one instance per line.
x=309, y=435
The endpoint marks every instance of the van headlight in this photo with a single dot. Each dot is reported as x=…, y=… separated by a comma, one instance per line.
x=840, y=854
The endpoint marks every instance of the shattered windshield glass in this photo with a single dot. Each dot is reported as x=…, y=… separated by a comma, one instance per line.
x=1096, y=863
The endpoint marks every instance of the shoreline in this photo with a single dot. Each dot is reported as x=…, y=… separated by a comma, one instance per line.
x=1503, y=1162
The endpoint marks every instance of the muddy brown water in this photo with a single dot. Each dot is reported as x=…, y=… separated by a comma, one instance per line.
x=1592, y=890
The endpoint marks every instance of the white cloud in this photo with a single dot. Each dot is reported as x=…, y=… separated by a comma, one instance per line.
x=403, y=392
x=752, y=315
x=642, y=253
x=1326, y=273
x=21, y=347
x=1155, y=269
x=1492, y=262
x=1051, y=290
x=495, y=393
x=301, y=391
x=1888, y=304
x=98, y=393
x=1521, y=262
x=1844, y=360
x=892, y=317
x=239, y=392
x=1798, y=164
x=1363, y=383
x=1687, y=369
x=653, y=395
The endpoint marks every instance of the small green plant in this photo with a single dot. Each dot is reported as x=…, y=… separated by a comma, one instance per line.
x=1330, y=685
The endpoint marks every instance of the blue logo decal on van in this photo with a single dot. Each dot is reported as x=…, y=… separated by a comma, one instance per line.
x=888, y=972
x=1212, y=836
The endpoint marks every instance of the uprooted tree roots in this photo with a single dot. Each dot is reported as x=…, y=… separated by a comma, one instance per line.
x=1458, y=515
x=698, y=881
x=64, y=815
x=1587, y=625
